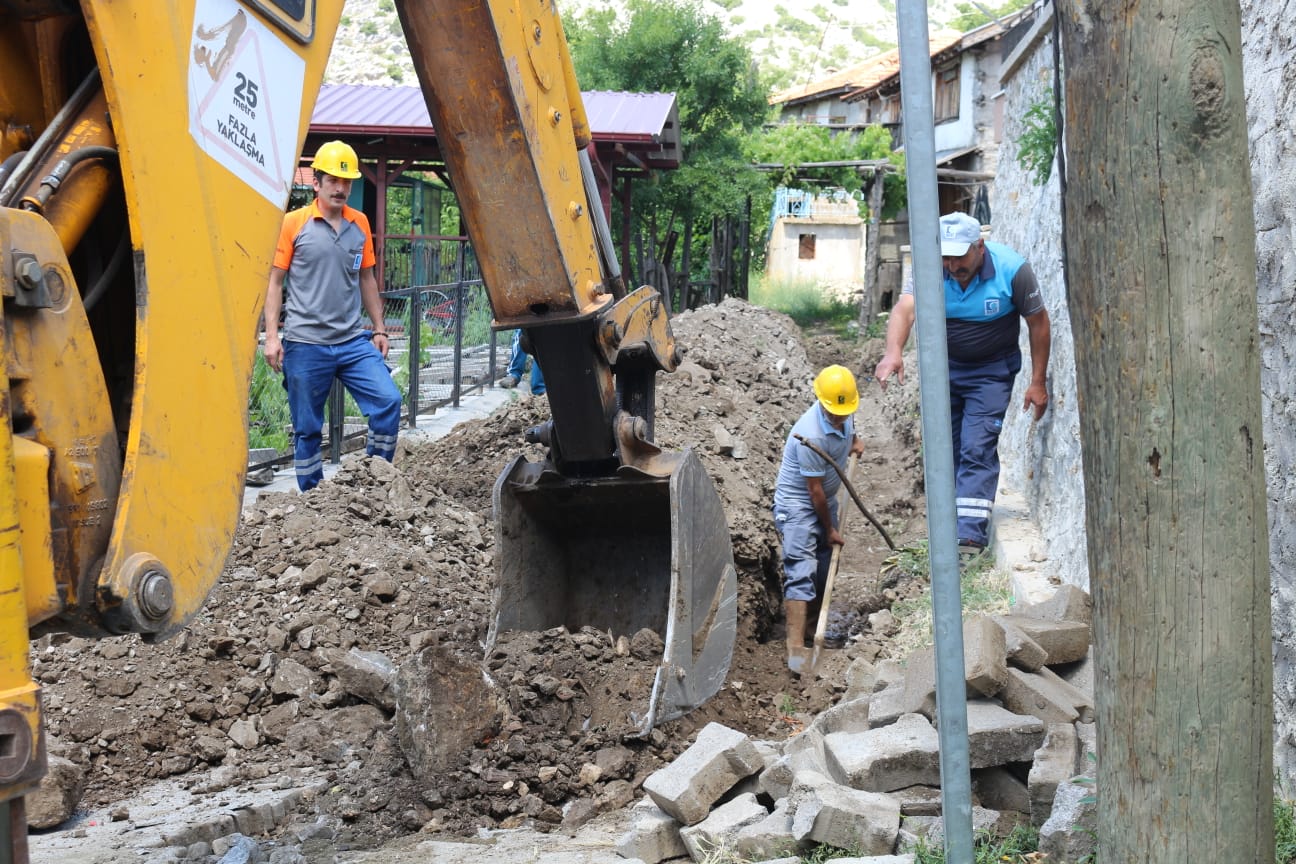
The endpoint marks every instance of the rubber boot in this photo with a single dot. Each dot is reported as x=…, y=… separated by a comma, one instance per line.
x=812, y=620
x=797, y=655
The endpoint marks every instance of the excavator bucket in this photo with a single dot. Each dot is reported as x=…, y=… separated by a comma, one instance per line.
x=620, y=554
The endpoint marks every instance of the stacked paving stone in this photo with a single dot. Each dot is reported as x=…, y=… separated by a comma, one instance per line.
x=865, y=775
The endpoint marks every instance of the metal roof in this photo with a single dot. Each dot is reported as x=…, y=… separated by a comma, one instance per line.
x=616, y=116
x=365, y=109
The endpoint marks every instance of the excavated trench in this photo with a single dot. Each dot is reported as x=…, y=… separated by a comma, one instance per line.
x=394, y=564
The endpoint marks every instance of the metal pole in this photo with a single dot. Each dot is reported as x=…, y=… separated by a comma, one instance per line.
x=938, y=448
x=457, y=361
x=414, y=335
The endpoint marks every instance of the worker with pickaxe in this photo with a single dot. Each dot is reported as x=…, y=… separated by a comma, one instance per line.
x=805, y=499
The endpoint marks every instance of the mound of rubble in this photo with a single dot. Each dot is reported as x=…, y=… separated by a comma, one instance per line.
x=344, y=642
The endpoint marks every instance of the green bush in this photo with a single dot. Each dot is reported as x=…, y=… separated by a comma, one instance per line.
x=1038, y=141
x=268, y=421
x=806, y=302
x=1284, y=831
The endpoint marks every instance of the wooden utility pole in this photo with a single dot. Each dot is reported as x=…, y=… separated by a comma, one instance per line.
x=1160, y=261
x=871, y=302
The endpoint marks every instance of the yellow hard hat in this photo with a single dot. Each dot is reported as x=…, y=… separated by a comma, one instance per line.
x=836, y=390
x=337, y=158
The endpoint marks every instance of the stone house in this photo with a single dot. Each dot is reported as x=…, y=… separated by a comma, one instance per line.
x=969, y=125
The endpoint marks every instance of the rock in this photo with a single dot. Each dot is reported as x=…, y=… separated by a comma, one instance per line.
x=244, y=733
x=367, y=675
x=294, y=680
x=444, y=705
x=59, y=793
x=710, y=767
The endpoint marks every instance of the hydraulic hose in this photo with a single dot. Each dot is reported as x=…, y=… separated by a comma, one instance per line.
x=50, y=184
x=53, y=132
x=8, y=165
x=115, y=263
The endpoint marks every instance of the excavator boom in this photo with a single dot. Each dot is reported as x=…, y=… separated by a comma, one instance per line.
x=610, y=531
x=146, y=151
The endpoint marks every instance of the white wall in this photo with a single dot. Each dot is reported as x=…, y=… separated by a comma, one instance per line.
x=839, y=254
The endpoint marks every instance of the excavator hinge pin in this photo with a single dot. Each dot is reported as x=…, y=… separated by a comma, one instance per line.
x=156, y=597
x=612, y=332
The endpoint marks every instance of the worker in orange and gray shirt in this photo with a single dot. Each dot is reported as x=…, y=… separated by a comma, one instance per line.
x=326, y=253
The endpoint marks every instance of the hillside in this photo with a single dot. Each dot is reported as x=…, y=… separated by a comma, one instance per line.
x=794, y=43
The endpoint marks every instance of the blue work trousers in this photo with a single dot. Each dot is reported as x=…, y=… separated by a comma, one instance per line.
x=979, y=394
x=806, y=550
x=517, y=365
x=309, y=371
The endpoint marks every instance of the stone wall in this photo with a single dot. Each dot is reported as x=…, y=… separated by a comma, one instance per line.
x=1042, y=461
x=1269, y=66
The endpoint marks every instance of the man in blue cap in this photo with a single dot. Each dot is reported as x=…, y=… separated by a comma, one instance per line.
x=988, y=287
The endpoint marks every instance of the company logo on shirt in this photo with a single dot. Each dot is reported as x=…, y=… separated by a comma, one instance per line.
x=355, y=264
x=992, y=306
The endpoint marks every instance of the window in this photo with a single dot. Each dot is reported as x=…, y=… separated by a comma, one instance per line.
x=947, y=94
x=806, y=246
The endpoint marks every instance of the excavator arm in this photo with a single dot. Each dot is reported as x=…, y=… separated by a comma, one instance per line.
x=610, y=531
x=145, y=154
x=511, y=126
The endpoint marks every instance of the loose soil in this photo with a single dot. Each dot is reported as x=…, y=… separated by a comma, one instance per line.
x=399, y=559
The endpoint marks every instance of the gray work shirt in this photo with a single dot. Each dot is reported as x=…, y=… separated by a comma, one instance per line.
x=322, y=289
x=800, y=462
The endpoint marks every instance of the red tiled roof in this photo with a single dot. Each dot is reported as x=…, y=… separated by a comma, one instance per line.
x=863, y=76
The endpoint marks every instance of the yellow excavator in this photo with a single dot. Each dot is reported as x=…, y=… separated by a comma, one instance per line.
x=146, y=152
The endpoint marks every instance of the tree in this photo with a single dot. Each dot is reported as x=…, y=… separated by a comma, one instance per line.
x=1160, y=256
x=673, y=46
x=794, y=145
x=974, y=15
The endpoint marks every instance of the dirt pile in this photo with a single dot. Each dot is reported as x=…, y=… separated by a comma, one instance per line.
x=393, y=560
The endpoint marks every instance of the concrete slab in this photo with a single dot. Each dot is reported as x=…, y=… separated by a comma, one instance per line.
x=1019, y=548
